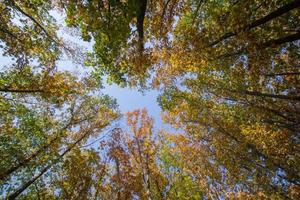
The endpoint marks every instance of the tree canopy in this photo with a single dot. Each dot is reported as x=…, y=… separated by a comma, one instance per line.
x=228, y=72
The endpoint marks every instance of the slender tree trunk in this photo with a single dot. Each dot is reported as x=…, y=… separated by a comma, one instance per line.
x=269, y=43
x=279, y=41
x=148, y=177
x=28, y=183
x=20, y=90
x=280, y=11
x=143, y=171
x=140, y=22
x=268, y=95
x=5, y=174
x=23, y=187
x=119, y=178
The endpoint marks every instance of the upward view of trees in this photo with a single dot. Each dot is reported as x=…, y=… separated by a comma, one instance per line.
x=228, y=73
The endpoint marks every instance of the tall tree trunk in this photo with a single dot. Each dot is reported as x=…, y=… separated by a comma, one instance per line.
x=5, y=174
x=268, y=95
x=23, y=187
x=140, y=22
x=24, y=162
x=21, y=90
x=119, y=178
x=143, y=171
x=280, y=11
x=282, y=40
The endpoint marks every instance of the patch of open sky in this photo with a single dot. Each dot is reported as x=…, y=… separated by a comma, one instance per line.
x=5, y=61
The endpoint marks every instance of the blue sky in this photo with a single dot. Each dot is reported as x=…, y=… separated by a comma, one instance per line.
x=131, y=99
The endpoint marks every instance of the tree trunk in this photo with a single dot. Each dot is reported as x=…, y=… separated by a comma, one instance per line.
x=280, y=11
x=20, y=90
x=282, y=40
x=4, y=175
x=268, y=95
x=23, y=187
